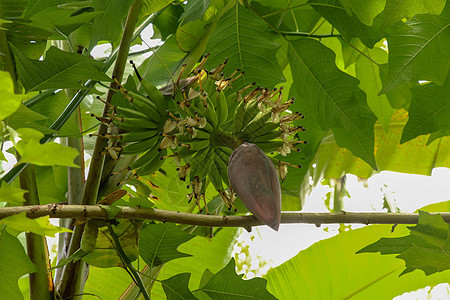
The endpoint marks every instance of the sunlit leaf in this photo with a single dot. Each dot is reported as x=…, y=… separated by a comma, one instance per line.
x=42, y=226
x=364, y=11
x=158, y=243
x=315, y=272
x=11, y=194
x=226, y=282
x=10, y=101
x=15, y=263
x=49, y=154
x=426, y=248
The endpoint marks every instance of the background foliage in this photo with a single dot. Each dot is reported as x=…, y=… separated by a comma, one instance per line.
x=372, y=80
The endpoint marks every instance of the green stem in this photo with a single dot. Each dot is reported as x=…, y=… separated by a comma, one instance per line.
x=136, y=277
x=75, y=270
x=307, y=34
x=41, y=285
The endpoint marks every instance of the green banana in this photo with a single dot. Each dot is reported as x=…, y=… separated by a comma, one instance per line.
x=148, y=156
x=201, y=163
x=221, y=166
x=238, y=117
x=155, y=95
x=257, y=122
x=145, y=106
x=270, y=146
x=264, y=129
x=210, y=113
x=141, y=146
x=137, y=123
x=266, y=137
x=130, y=113
x=198, y=144
x=226, y=150
x=214, y=175
x=153, y=165
x=138, y=135
x=251, y=111
x=221, y=108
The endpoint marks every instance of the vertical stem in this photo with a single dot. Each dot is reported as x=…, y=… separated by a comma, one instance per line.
x=73, y=273
x=41, y=283
x=338, y=194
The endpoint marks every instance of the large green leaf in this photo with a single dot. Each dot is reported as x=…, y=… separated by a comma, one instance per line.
x=194, y=10
x=365, y=11
x=241, y=36
x=226, y=283
x=347, y=25
x=167, y=21
x=105, y=253
x=429, y=111
x=158, y=243
x=35, y=6
x=330, y=269
x=426, y=248
x=338, y=102
x=176, y=287
x=418, y=50
x=15, y=263
x=10, y=101
x=24, y=117
x=159, y=67
x=60, y=22
x=52, y=183
x=370, y=82
x=42, y=226
x=207, y=253
x=59, y=69
x=49, y=154
x=396, y=10
x=11, y=194
x=108, y=26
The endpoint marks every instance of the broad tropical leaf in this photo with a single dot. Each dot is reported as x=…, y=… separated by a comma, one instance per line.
x=42, y=226
x=59, y=69
x=241, y=36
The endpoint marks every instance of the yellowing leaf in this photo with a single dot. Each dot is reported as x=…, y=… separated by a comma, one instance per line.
x=49, y=154
x=40, y=226
x=11, y=194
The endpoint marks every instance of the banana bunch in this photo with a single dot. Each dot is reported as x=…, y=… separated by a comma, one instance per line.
x=199, y=121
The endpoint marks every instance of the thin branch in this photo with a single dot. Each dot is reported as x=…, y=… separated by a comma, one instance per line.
x=97, y=212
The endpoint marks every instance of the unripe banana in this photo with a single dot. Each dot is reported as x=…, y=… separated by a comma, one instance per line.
x=254, y=178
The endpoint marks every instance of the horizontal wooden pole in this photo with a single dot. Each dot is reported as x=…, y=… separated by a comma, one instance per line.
x=97, y=212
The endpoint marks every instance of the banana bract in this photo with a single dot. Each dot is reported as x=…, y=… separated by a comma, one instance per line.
x=254, y=178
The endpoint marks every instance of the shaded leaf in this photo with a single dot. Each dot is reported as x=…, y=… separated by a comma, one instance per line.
x=15, y=263
x=167, y=21
x=60, y=21
x=315, y=272
x=10, y=101
x=426, y=248
x=176, y=287
x=49, y=154
x=158, y=243
x=194, y=10
x=52, y=183
x=189, y=34
x=348, y=26
x=105, y=253
x=151, y=6
x=338, y=103
x=24, y=117
x=11, y=194
x=42, y=226
x=241, y=36
x=108, y=26
x=226, y=282
x=417, y=50
x=429, y=111
x=59, y=69
x=35, y=6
